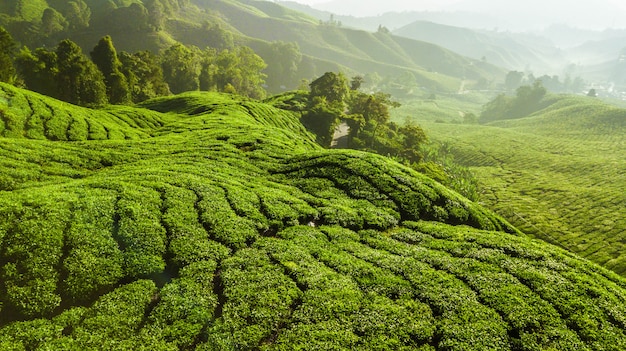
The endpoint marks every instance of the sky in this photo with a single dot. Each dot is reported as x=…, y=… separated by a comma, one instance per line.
x=595, y=14
x=375, y=7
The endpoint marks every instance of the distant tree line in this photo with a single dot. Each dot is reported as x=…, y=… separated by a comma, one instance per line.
x=66, y=73
x=516, y=79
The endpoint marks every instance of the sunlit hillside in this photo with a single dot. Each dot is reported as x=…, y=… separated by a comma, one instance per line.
x=219, y=224
x=558, y=174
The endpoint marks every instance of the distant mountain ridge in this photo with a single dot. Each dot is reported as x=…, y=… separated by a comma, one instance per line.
x=509, y=50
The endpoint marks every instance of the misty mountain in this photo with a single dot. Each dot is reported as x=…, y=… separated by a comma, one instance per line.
x=510, y=50
x=537, y=14
x=395, y=20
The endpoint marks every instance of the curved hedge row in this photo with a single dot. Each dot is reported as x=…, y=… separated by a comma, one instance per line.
x=229, y=229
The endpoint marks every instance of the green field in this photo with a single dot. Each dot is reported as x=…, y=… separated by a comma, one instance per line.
x=559, y=174
x=216, y=223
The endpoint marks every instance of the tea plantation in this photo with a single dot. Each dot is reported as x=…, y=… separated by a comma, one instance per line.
x=211, y=222
x=558, y=174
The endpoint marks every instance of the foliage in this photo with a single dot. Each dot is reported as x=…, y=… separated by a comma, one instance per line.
x=7, y=48
x=78, y=80
x=526, y=101
x=144, y=75
x=64, y=73
x=105, y=57
x=333, y=88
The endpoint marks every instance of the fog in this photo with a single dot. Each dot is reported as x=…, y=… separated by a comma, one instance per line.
x=505, y=14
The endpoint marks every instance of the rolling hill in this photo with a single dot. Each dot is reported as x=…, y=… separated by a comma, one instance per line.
x=523, y=52
x=209, y=222
x=558, y=174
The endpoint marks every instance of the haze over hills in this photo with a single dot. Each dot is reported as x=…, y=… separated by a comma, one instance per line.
x=553, y=38
x=507, y=14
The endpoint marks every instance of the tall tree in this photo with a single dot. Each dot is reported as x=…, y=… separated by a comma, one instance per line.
x=283, y=62
x=251, y=79
x=181, y=68
x=144, y=75
x=239, y=70
x=52, y=22
x=78, y=79
x=39, y=70
x=105, y=57
x=77, y=14
x=7, y=49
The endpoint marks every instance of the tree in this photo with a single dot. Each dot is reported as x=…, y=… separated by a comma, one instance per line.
x=321, y=119
x=252, y=77
x=412, y=137
x=209, y=70
x=374, y=109
x=333, y=87
x=283, y=61
x=144, y=75
x=181, y=68
x=218, y=37
x=513, y=80
x=356, y=82
x=7, y=49
x=240, y=68
x=78, y=79
x=592, y=93
x=156, y=14
x=105, y=57
x=77, y=14
x=52, y=22
x=39, y=70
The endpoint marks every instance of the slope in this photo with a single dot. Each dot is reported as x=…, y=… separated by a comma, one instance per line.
x=356, y=49
x=558, y=174
x=509, y=50
x=325, y=46
x=228, y=228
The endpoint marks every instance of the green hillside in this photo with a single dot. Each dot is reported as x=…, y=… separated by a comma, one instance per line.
x=558, y=174
x=220, y=225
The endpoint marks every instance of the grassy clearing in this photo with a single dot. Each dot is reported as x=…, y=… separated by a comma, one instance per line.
x=228, y=228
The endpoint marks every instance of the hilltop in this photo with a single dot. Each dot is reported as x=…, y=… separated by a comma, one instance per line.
x=209, y=221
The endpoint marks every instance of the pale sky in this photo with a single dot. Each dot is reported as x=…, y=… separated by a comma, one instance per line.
x=584, y=13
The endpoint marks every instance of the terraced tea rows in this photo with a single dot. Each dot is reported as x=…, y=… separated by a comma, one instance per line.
x=227, y=228
x=559, y=174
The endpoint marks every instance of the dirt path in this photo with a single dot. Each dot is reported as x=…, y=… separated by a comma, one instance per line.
x=340, y=136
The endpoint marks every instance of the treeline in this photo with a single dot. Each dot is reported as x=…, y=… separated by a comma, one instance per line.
x=66, y=73
x=516, y=79
x=36, y=20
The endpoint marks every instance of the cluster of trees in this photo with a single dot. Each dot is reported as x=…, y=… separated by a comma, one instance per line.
x=334, y=99
x=526, y=101
x=38, y=20
x=67, y=74
x=516, y=79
